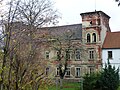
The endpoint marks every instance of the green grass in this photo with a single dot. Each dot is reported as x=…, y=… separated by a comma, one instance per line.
x=118, y=88
x=67, y=86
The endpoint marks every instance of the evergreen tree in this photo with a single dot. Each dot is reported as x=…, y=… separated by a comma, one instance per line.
x=90, y=80
x=109, y=79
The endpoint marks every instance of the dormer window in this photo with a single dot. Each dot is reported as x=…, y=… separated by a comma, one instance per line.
x=93, y=37
x=88, y=38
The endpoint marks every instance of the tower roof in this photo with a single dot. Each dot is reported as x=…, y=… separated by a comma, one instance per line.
x=86, y=13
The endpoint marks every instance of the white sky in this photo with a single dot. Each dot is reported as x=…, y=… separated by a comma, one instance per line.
x=70, y=11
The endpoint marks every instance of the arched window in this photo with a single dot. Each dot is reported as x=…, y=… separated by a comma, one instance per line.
x=93, y=37
x=88, y=37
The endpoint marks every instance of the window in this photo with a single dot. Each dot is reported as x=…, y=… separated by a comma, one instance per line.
x=68, y=72
x=91, y=23
x=77, y=55
x=98, y=21
x=47, y=71
x=88, y=38
x=47, y=54
x=57, y=71
x=91, y=54
x=78, y=72
x=109, y=54
x=72, y=54
x=91, y=69
x=93, y=37
x=58, y=55
x=68, y=56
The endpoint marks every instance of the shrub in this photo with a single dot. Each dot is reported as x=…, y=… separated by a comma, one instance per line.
x=90, y=80
x=109, y=79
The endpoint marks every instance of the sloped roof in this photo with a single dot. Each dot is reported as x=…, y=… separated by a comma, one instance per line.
x=112, y=40
x=61, y=30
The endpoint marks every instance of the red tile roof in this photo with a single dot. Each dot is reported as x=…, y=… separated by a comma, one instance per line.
x=112, y=40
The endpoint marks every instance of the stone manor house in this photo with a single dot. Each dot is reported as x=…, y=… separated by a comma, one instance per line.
x=91, y=34
x=92, y=31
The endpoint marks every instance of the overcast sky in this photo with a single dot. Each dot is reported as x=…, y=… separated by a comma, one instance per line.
x=70, y=11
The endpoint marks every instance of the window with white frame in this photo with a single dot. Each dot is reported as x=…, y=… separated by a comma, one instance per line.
x=47, y=56
x=77, y=71
x=88, y=38
x=91, y=54
x=68, y=72
x=91, y=69
x=57, y=71
x=72, y=55
x=57, y=55
x=93, y=37
x=77, y=54
x=47, y=71
x=68, y=55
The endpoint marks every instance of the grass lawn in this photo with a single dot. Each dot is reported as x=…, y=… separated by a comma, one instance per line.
x=67, y=86
x=118, y=88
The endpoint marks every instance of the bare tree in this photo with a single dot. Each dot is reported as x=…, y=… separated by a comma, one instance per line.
x=118, y=2
x=64, y=44
x=37, y=12
x=6, y=34
x=19, y=52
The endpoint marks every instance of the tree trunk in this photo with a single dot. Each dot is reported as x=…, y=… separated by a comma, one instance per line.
x=57, y=82
x=61, y=83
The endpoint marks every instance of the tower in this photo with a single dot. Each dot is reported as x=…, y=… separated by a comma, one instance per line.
x=95, y=25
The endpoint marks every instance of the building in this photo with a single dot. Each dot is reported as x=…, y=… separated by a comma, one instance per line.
x=91, y=32
x=87, y=41
x=111, y=49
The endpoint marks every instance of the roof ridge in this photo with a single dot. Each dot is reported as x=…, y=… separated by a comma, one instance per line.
x=116, y=32
x=63, y=25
